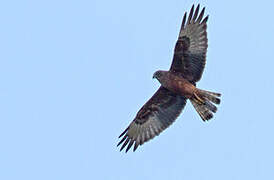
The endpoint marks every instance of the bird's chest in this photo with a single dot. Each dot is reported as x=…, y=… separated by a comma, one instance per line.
x=182, y=87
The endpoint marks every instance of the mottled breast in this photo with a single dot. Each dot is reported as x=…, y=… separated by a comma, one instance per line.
x=181, y=86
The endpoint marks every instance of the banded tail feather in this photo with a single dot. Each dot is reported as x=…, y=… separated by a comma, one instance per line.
x=203, y=102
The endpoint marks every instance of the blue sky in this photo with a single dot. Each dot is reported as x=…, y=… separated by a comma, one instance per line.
x=74, y=73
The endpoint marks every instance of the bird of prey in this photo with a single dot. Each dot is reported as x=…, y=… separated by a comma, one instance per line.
x=177, y=85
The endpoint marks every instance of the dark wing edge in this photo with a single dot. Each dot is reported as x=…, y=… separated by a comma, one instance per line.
x=191, y=46
x=155, y=116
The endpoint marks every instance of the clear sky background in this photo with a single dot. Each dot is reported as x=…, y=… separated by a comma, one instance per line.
x=73, y=75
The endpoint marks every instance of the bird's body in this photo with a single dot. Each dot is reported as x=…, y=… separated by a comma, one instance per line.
x=177, y=85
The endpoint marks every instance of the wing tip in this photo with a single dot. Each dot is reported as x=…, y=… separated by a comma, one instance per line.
x=124, y=145
x=205, y=19
x=129, y=145
x=135, y=146
x=122, y=140
x=192, y=7
x=124, y=132
x=196, y=13
x=193, y=17
x=190, y=14
x=125, y=140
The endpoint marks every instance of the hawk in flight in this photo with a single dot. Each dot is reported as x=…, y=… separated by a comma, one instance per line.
x=177, y=85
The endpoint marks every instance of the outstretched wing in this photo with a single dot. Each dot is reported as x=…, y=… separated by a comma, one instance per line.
x=190, y=50
x=155, y=116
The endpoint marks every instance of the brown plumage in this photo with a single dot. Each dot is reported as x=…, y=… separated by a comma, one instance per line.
x=177, y=85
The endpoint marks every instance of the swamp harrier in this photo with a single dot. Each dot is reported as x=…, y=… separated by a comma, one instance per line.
x=177, y=85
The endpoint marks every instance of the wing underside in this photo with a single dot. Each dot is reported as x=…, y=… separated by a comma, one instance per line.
x=191, y=47
x=154, y=117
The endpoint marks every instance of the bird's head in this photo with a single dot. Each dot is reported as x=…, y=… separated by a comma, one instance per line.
x=159, y=75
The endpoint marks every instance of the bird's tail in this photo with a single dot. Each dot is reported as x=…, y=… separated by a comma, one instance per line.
x=203, y=103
